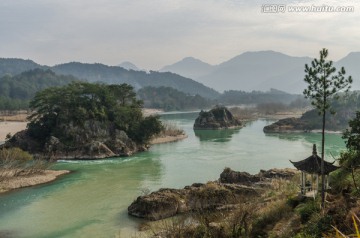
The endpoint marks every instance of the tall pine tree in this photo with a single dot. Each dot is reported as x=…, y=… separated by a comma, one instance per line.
x=324, y=83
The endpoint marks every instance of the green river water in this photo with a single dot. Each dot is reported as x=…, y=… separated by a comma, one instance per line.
x=92, y=201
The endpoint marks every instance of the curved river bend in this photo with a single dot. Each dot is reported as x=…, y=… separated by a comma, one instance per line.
x=93, y=200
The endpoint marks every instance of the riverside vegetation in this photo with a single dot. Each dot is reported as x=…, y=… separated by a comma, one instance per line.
x=263, y=205
x=86, y=121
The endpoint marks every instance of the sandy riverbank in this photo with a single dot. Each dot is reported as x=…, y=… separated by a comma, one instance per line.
x=151, y=111
x=11, y=127
x=12, y=183
x=167, y=139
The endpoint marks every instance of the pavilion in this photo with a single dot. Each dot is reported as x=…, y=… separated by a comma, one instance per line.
x=312, y=166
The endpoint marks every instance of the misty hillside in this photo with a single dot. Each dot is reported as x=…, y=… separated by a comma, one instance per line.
x=351, y=62
x=128, y=65
x=112, y=75
x=16, y=91
x=13, y=66
x=138, y=79
x=189, y=67
x=262, y=70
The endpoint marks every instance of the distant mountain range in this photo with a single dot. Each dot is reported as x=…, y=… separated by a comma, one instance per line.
x=260, y=70
x=112, y=75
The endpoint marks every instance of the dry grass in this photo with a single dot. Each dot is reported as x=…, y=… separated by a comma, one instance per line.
x=16, y=162
x=171, y=129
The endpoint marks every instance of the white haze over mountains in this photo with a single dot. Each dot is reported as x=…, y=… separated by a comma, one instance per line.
x=258, y=71
x=154, y=33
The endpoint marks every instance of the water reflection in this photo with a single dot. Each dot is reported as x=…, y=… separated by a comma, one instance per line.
x=216, y=135
x=334, y=144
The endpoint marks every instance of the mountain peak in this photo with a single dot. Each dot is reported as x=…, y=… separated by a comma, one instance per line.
x=189, y=67
x=128, y=65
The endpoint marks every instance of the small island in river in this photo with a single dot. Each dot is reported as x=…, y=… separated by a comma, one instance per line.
x=217, y=118
x=86, y=121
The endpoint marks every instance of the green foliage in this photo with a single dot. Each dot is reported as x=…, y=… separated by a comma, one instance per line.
x=323, y=85
x=17, y=91
x=233, y=97
x=170, y=99
x=81, y=103
x=146, y=129
x=352, y=135
x=306, y=210
x=324, y=82
x=319, y=225
x=350, y=160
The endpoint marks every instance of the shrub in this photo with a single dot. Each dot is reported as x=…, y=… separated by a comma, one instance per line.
x=306, y=210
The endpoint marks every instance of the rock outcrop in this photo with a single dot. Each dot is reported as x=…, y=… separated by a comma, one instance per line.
x=169, y=202
x=244, y=178
x=231, y=189
x=94, y=140
x=288, y=125
x=217, y=118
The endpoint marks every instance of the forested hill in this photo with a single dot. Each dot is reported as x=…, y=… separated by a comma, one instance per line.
x=12, y=66
x=16, y=91
x=170, y=99
x=111, y=75
x=138, y=79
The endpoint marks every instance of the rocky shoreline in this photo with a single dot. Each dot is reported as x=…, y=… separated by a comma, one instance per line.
x=231, y=189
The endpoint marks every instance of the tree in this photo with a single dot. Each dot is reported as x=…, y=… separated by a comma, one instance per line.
x=324, y=83
x=351, y=159
x=352, y=135
x=57, y=111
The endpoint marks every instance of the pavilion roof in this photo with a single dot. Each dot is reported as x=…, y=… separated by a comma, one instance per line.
x=312, y=164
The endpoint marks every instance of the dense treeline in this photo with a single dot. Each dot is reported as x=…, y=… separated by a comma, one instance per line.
x=16, y=91
x=138, y=79
x=233, y=97
x=345, y=108
x=170, y=99
x=13, y=67
x=63, y=112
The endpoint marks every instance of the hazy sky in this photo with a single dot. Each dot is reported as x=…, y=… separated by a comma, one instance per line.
x=154, y=33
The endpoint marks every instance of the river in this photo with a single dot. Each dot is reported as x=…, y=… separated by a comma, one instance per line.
x=92, y=201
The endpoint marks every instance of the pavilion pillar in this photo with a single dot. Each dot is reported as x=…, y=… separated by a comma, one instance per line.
x=303, y=178
x=327, y=181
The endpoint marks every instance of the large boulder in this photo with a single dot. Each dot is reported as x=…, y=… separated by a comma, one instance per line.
x=217, y=118
x=231, y=176
x=197, y=197
x=158, y=205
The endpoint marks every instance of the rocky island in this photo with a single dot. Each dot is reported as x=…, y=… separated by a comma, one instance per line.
x=311, y=121
x=217, y=118
x=86, y=121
